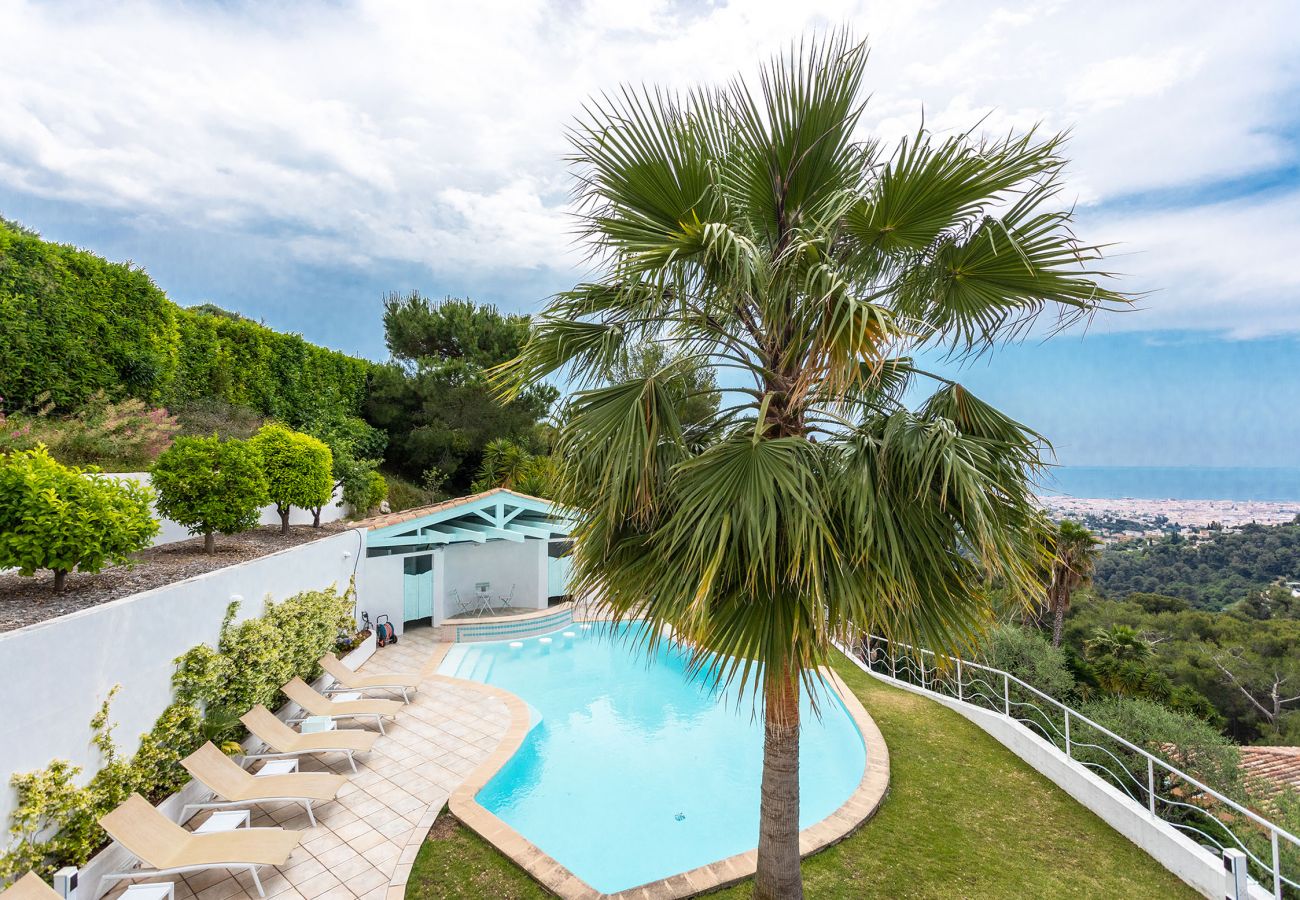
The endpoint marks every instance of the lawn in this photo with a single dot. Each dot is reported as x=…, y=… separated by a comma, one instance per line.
x=964, y=818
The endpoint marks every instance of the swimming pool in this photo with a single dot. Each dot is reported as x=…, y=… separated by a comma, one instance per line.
x=634, y=772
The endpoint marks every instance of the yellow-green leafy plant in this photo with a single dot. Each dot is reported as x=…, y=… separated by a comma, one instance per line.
x=63, y=518
x=298, y=468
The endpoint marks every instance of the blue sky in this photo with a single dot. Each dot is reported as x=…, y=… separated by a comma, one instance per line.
x=297, y=163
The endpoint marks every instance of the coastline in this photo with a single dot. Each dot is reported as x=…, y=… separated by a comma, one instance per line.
x=1142, y=517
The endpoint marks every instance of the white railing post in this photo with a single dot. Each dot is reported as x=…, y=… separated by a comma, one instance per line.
x=959, y=691
x=1277, y=865
x=1067, y=731
x=1151, y=785
x=893, y=662
x=921, y=663
x=1006, y=693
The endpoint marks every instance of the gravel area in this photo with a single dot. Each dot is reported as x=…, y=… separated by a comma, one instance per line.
x=26, y=601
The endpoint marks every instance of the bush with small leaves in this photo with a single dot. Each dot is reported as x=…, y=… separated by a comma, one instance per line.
x=210, y=485
x=62, y=518
x=298, y=469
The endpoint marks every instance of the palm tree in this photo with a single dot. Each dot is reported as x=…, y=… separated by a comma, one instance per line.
x=1074, y=557
x=750, y=231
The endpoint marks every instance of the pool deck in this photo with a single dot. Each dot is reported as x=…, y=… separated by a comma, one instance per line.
x=365, y=842
x=444, y=746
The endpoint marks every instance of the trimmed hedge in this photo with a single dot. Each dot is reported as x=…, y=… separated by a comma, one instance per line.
x=72, y=324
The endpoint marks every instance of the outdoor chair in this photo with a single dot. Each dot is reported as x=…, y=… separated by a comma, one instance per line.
x=315, y=704
x=282, y=741
x=165, y=848
x=238, y=787
x=30, y=887
x=347, y=680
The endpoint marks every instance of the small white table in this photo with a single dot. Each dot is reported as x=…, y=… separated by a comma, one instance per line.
x=346, y=696
x=277, y=767
x=314, y=724
x=224, y=820
x=163, y=890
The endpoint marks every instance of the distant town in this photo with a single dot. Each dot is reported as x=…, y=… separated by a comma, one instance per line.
x=1131, y=518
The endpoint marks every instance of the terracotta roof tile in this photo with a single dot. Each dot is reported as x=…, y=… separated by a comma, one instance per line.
x=1274, y=768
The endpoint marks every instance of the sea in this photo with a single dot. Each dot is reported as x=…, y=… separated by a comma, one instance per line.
x=1173, y=483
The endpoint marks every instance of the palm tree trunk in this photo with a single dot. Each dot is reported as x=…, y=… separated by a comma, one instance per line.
x=1058, y=620
x=778, y=876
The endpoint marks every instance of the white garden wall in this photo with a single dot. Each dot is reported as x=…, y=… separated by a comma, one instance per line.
x=57, y=673
x=170, y=532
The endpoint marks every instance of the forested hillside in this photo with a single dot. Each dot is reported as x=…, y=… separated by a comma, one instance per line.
x=74, y=326
x=1210, y=574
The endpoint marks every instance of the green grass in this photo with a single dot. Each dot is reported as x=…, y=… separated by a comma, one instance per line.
x=964, y=818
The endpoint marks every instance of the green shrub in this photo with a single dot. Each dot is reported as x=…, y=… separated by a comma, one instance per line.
x=209, y=485
x=298, y=470
x=1030, y=657
x=62, y=518
x=1180, y=738
x=55, y=821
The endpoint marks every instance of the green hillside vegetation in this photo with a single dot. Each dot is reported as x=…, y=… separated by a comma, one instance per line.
x=1209, y=574
x=74, y=326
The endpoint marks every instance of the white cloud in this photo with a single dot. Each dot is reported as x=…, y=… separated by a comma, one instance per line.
x=433, y=134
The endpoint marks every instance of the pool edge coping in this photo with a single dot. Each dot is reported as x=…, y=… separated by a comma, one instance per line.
x=555, y=877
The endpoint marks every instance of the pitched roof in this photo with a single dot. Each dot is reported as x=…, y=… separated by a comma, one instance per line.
x=416, y=512
x=1273, y=768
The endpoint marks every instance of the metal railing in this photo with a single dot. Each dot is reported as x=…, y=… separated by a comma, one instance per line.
x=1213, y=820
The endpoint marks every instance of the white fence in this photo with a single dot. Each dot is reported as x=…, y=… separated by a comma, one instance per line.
x=170, y=532
x=1163, y=792
x=57, y=673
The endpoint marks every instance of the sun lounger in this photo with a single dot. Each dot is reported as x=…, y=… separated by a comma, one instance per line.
x=281, y=740
x=315, y=704
x=238, y=787
x=30, y=887
x=165, y=848
x=348, y=680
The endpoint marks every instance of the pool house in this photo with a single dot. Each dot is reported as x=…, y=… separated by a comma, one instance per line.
x=472, y=566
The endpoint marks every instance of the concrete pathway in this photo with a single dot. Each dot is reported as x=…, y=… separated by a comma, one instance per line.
x=364, y=843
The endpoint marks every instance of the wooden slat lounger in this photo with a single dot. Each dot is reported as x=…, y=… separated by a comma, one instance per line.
x=165, y=848
x=315, y=704
x=30, y=887
x=281, y=740
x=352, y=681
x=238, y=787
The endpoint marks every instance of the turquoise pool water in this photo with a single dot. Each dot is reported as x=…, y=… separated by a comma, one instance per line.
x=634, y=772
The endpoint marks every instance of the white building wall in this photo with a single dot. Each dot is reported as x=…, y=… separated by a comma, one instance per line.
x=500, y=563
x=380, y=590
x=57, y=673
x=170, y=532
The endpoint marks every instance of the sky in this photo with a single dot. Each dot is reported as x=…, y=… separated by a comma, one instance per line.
x=296, y=162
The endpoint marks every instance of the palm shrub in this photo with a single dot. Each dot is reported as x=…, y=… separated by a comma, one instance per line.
x=750, y=231
x=1074, y=550
x=298, y=470
x=209, y=486
x=62, y=518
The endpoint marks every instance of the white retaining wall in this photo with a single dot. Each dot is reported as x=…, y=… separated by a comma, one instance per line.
x=170, y=532
x=57, y=673
x=1170, y=847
